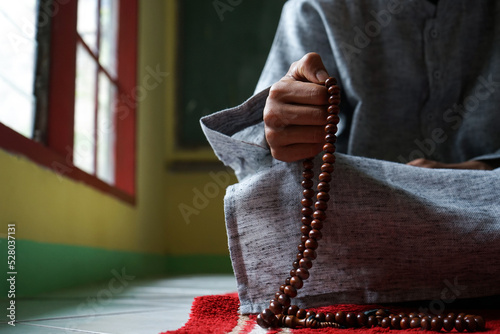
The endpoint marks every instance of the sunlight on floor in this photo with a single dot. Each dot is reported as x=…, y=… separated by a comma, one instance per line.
x=140, y=307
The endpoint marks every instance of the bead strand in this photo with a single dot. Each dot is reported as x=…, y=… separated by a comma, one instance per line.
x=281, y=313
x=312, y=223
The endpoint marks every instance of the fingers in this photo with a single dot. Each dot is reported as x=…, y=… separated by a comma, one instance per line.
x=288, y=90
x=471, y=164
x=426, y=163
x=296, y=152
x=277, y=116
x=295, y=111
x=293, y=143
x=309, y=68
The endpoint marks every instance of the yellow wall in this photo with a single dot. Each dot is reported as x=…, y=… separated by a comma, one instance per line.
x=53, y=209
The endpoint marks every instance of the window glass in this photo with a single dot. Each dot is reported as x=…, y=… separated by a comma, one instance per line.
x=17, y=58
x=84, y=140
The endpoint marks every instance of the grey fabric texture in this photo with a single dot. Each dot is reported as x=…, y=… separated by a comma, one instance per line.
x=394, y=232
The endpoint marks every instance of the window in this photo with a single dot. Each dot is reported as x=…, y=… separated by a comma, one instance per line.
x=87, y=130
x=17, y=56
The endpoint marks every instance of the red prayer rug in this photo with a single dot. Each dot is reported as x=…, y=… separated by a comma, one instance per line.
x=219, y=314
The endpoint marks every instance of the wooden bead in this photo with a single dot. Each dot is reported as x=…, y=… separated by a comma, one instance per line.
x=481, y=324
x=303, y=238
x=436, y=324
x=334, y=90
x=310, y=254
x=305, y=263
x=333, y=109
x=362, y=319
x=329, y=157
x=282, y=287
x=320, y=316
x=306, y=220
x=295, y=264
x=305, y=229
x=311, y=243
x=351, y=319
x=372, y=321
x=415, y=322
x=296, y=282
x=292, y=310
x=319, y=215
x=330, y=82
x=329, y=317
x=334, y=99
x=299, y=256
x=396, y=322
x=333, y=119
x=425, y=324
x=301, y=313
x=307, y=174
x=470, y=323
x=292, y=273
x=385, y=322
x=290, y=291
x=320, y=205
x=302, y=272
x=284, y=300
x=310, y=314
x=448, y=324
x=267, y=319
x=306, y=212
x=323, y=187
x=308, y=164
x=329, y=148
x=317, y=224
x=275, y=307
x=308, y=193
x=461, y=315
x=315, y=234
x=460, y=324
x=307, y=184
x=404, y=323
x=325, y=177
x=326, y=167
x=340, y=317
x=301, y=247
x=306, y=202
x=331, y=128
x=331, y=138
x=277, y=295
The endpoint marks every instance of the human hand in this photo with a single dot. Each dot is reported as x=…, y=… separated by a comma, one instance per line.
x=295, y=111
x=471, y=164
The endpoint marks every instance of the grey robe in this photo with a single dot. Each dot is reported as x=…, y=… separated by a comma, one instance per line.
x=417, y=81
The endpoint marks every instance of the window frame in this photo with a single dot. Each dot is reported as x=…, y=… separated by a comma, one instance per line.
x=56, y=153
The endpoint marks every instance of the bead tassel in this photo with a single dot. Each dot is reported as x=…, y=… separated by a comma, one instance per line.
x=281, y=313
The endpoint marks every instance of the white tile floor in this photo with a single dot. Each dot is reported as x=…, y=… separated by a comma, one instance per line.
x=142, y=307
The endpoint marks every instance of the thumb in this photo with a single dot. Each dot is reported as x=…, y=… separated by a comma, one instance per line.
x=309, y=68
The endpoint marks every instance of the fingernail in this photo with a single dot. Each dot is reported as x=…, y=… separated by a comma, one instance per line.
x=322, y=75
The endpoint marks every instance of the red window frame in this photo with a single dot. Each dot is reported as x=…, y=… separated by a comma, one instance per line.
x=57, y=153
